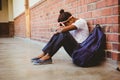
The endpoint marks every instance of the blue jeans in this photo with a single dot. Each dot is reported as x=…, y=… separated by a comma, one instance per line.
x=57, y=41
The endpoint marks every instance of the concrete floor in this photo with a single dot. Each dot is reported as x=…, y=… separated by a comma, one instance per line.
x=15, y=55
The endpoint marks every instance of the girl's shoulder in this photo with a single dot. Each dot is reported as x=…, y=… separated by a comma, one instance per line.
x=80, y=20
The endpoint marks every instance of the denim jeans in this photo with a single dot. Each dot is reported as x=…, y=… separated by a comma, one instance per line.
x=59, y=40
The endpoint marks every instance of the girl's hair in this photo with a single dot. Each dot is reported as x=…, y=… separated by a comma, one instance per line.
x=63, y=15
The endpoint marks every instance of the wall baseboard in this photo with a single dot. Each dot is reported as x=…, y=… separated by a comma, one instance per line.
x=7, y=29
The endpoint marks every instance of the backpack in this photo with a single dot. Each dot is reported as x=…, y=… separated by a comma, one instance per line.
x=91, y=51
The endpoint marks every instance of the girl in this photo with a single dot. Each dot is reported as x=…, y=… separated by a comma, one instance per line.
x=70, y=32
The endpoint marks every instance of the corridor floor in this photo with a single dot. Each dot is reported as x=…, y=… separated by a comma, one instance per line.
x=15, y=55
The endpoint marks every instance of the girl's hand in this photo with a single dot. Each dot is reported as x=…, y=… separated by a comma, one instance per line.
x=59, y=29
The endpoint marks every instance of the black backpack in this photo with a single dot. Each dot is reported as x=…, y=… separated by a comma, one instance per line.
x=91, y=51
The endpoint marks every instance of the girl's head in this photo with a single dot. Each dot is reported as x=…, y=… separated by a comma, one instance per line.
x=64, y=17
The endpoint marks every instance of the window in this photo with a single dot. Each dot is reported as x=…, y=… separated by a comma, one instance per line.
x=0, y=4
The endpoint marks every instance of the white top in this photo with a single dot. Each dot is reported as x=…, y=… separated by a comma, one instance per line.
x=82, y=31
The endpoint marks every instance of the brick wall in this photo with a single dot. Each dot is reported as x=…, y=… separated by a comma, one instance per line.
x=105, y=12
x=19, y=23
x=11, y=29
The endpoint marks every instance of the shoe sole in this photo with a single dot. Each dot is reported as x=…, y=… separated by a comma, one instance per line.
x=42, y=63
x=34, y=59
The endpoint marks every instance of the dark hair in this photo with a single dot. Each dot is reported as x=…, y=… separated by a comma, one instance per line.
x=63, y=15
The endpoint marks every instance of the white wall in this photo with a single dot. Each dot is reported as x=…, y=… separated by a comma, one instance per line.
x=10, y=10
x=4, y=11
x=32, y=2
x=18, y=7
x=13, y=8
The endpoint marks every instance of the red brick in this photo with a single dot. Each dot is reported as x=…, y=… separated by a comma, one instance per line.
x=93, y=0
x=116, y=10
x=66, y=1
x=100, y=4
x=96, y=13
x=112, y=37
x=82, y=15
x=88, y=15
x=79, y=10
x=20, y=26
x=116, y=46
x=82, y=2
x=113, y=28
x=90, y=1
x=107, y=12
x=108, y=54
x=91, y=7
x=111, y=2
x=79, y=3
x=115, y=56
x=98, y=21
x=108, y=29
x=109, y=46
x=84, y=8
x=94, y=21
x=101, y=20
x=90, y=22
x=112, y=20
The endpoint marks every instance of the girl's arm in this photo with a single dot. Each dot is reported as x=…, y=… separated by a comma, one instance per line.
x=66, y=28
